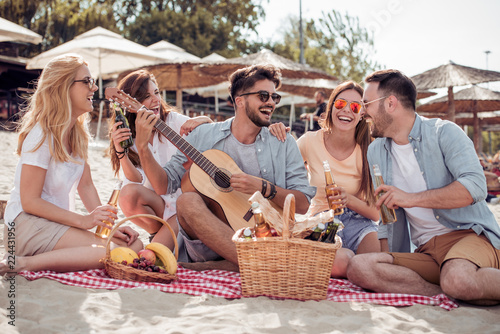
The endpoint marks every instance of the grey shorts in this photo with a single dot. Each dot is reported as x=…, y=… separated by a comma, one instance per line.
x=194, y=250
x=356, y=227
x=35, y=235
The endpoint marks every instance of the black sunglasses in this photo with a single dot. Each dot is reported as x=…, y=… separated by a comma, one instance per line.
x=264, y=96
x=89, y=81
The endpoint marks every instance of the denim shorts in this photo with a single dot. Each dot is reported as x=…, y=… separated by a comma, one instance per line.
x=356, y=227
x=194, y=250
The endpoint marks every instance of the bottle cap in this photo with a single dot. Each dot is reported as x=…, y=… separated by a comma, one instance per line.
x=247, y=232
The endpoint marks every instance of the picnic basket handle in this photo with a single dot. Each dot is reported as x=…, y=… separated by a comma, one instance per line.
x=115, y=227
x=288, y=215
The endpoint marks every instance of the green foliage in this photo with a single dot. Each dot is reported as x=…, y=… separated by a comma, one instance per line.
x=347, y=45
x=335, y=43
x=200, y=27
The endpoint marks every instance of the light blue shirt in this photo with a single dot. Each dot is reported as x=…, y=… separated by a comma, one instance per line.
x=280, y=162
x=444, y=154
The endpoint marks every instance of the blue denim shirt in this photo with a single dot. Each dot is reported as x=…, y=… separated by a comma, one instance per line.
x=280, y=162
x=444, y=154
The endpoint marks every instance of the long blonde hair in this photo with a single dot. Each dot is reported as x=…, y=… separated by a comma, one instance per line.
x=50, y=107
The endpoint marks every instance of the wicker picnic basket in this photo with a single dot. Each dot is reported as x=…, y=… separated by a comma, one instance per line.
x=121, y=271
x=284, y=266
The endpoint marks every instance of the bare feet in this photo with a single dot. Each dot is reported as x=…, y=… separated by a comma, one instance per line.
x=211, y=265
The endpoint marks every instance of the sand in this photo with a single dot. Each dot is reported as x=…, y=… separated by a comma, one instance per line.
x=47, y=306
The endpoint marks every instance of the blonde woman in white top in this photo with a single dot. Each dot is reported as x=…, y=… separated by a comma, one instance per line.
x=53, y=141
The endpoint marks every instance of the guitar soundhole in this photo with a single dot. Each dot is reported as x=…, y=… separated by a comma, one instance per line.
x=221, y=179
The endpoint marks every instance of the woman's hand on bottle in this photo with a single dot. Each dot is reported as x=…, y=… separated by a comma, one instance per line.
x=99, y=217
x=341, y=197
x=119, y=135
x=279, y=130
x=127, y=234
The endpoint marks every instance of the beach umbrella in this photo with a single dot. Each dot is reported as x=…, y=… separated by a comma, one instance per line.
x=180, y=75
x=451, y=75
x=11, y=32
x=170, y=51
x=107, y=54
x=423, y=94
x=289, y=69
x=214, y=56
x=470, y=100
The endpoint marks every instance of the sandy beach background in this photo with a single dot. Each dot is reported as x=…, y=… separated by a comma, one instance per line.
x=47, y=306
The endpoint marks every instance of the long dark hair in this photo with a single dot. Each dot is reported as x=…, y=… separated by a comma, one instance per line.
x=135, y=84
x=361, y=136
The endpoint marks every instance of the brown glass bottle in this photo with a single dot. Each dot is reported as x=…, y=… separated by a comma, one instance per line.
x=337, y=208
x=262, y=228
x=388, y=216
x=101, y=231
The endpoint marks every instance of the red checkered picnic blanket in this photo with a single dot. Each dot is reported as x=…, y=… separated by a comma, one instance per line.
x=227, y=284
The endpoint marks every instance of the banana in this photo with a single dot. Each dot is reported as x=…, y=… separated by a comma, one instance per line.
x=165, y=255
x=120, y=254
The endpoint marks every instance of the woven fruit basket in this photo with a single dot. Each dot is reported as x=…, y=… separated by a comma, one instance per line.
x=283, y=266
x=121, y=271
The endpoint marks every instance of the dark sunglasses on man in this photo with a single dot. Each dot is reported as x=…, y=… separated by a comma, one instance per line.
x=264, y=96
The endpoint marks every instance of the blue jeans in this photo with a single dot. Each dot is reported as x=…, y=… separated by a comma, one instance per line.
x=356, y=227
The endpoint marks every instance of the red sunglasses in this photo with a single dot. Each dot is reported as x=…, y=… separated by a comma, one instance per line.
x=341, y=103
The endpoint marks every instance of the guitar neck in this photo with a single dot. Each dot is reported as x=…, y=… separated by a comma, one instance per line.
x=185, y=147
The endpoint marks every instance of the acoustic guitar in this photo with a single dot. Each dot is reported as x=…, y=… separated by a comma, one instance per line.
x=209, y=174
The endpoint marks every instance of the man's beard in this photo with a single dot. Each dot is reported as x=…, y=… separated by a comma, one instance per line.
x=383, y=120
x=254, y=117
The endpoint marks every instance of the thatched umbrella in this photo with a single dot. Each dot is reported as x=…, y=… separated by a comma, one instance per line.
x=179, y=75
x=423, y=94
x=289, y=69
x=451, y=75
x=470, y=100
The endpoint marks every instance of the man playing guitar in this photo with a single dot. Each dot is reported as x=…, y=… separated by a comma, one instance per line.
x=261, y=163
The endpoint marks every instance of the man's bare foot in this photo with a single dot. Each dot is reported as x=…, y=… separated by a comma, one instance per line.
x=211, y=265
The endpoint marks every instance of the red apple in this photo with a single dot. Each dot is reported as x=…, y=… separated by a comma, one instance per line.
x=148, y=254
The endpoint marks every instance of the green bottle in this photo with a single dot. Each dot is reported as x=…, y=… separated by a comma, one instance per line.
x=317, y=232
x=120, y=117
x=333, y=227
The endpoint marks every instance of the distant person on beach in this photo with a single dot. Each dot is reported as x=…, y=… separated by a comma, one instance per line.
x=53, y=143
x=320, y=97
x=267, y=165
x=435, y=182
x=137, y=195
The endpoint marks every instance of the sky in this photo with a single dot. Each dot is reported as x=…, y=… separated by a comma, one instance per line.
x=409, y=35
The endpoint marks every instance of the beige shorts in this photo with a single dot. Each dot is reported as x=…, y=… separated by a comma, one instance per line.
x=35, y=235
x=428, y=259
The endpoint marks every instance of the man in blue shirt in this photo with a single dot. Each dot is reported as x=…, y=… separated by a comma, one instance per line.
x=435, y=182
x=267, y=165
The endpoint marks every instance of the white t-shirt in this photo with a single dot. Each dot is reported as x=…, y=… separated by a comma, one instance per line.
x=408, y=177
x=61, y=180
x=163, y=151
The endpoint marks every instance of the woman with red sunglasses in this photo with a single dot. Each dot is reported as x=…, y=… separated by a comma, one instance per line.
x=343, y=141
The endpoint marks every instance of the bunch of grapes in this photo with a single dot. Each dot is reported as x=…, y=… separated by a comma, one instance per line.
x=143, y=264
